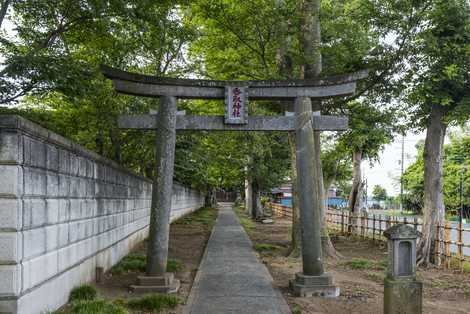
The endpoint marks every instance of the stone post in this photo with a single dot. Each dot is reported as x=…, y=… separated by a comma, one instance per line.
x=313, y=280
x=157, y=279
x=402, y=292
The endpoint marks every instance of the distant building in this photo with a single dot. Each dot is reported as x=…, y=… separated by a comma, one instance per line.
x=283, y=196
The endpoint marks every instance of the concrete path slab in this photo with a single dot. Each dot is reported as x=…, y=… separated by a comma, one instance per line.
x=230, y=278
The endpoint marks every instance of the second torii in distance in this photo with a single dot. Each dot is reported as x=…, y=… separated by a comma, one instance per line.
x=313, y=279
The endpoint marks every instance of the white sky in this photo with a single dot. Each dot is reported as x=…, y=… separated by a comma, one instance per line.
x=387, y=171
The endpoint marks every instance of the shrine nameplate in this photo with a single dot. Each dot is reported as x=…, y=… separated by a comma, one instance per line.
x=236, y=111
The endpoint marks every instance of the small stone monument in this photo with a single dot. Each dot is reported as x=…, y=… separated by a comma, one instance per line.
x=402, y=292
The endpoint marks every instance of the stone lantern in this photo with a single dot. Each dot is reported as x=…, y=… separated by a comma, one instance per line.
x=402, y=292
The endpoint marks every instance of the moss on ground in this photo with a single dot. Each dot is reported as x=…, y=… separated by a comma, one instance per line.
x=366, y=264
x=267, y=247
x=245, y=221
x=205, y=216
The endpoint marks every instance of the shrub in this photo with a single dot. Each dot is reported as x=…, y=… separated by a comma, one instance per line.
x=153, y=302
x=83, y=293
x=96, y=307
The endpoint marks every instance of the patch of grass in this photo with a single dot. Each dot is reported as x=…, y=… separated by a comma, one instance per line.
x=377, y=277
x=93, y=307
x=383, y=264
x=204, y=216
x=83, y=293
x=455, y=264
x=153, y=302
x=174, y=266
x=134, y=262
x=445, y=283
x=398, y=213
x=245, y=221
x=359, y=263
x=266, y=247
x=296, y=310
x=137, y=262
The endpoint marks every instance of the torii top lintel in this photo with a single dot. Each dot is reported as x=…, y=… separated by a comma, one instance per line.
x=152, y=86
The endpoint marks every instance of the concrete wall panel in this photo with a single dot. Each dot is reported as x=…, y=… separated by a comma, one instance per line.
x=64, y=211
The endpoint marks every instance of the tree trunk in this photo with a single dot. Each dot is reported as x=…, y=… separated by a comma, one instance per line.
x=355, y=197
x=99, y=142
x=354, y=202
x=210, y=199
x=256, y=201
x=295, y=248
x=433, y=211
x=248, y=193
x=4, y=10
x=115, y=144
x=284, y=65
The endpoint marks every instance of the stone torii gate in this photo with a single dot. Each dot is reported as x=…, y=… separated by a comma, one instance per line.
x=313, y=280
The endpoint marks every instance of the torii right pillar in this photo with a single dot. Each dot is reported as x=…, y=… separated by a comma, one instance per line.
x=313, y=281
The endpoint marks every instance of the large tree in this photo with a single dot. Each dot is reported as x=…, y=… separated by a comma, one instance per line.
x=439, y=94
x=371, y=128
x=54, y=55
x=379, y=193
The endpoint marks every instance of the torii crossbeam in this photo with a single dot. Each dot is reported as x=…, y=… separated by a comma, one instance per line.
x=313, y=280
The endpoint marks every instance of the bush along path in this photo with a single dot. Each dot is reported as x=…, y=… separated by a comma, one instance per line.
x=188, y=238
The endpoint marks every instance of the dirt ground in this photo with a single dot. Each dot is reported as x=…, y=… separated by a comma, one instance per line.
x=361, y=289
x=188, y=238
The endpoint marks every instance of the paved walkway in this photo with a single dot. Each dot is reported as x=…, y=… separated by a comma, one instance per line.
x=230, y=278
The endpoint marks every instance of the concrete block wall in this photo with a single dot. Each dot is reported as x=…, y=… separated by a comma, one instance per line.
x=64, y=211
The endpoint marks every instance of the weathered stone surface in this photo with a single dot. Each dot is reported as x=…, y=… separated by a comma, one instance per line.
x=216, y=123
x=10, y=247
x=309, y=204
x=403, y=296
x=143, y=85
x=401, y=231
x=11, y=214
x=10, y=280
x=114, y=73
x=10, y=148
x=14, y=176
x=172, y=287
x=307, y=286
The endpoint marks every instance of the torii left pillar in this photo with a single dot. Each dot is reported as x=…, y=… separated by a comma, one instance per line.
x=157, y=279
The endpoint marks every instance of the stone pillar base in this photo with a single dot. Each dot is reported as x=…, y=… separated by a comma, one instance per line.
x=307, y=286
x=157, y=284
x=403, y=296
